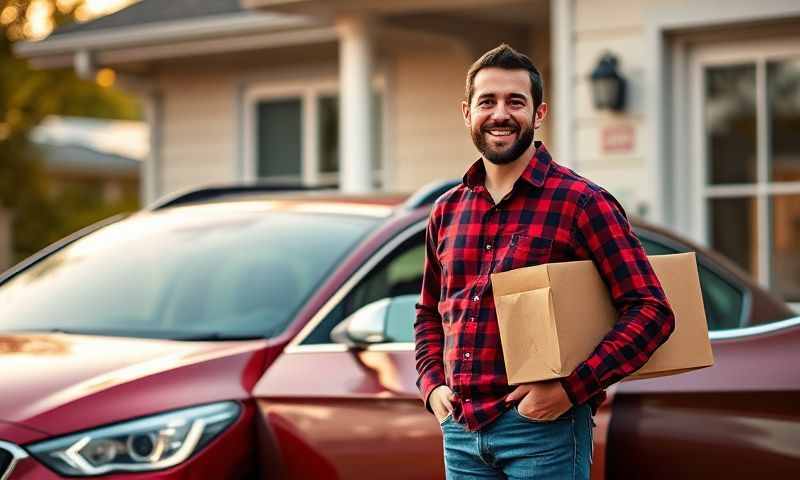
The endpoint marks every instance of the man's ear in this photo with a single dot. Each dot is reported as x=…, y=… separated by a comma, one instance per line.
x=539, y=115
x=466, y=113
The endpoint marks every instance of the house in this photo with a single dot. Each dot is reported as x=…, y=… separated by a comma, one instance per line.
x=94, y=155
x=364, y=94
x=92, y=168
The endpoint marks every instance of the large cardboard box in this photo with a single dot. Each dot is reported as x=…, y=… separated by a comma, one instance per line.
x=553, y=316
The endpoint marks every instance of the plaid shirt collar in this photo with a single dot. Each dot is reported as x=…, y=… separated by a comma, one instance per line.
x=534, y=174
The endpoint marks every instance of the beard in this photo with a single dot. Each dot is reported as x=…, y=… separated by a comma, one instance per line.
x=502, y=157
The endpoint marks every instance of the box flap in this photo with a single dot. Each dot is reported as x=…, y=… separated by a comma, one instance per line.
x=535, y=341
x=519, y=280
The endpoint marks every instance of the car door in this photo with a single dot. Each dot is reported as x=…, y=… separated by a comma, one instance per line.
x=738, y=419
x=339, y=413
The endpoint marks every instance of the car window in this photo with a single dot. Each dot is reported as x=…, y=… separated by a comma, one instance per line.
x=723, y=301
x=399, y=274
x=400, y=318
x=213, y=271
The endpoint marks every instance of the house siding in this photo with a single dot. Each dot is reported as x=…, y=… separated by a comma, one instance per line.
x=624, y=173
x=198, y=141
x=430, y=141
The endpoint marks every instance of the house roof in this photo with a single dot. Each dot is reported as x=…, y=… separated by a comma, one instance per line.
x=84, y=161
x=158, y=29
x=153, y=11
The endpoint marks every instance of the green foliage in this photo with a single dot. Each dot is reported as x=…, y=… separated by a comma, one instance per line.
x=27, y=96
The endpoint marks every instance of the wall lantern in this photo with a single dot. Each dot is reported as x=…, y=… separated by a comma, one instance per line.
x=608, y=86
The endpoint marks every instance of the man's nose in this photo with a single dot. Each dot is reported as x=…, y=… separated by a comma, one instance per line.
x=500, y=112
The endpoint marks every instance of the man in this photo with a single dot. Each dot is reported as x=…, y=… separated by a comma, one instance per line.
x=516, y=207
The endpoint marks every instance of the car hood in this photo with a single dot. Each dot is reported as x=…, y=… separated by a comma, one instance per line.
x=58, y=383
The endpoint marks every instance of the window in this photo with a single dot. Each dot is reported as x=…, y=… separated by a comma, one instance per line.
x=723, y=301
x=292, y=134
x=279, y=142
x=397, y=275
x=748, y=157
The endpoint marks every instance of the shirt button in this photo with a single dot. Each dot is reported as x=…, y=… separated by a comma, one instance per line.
x=471, y=319
x=488, y=246
x=467, y=400
x=476, y=298
x=466, y=355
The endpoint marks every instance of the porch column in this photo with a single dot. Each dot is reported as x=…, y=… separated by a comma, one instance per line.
x=150, y=177
x=356, y=113
x=562, y=68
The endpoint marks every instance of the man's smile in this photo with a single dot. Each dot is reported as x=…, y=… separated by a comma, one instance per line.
x=502, y=134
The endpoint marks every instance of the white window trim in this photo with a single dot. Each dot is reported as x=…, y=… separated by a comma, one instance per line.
x=732, y=53
x=308, y=91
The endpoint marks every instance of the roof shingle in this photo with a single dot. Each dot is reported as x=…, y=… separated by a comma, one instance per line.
x=154, y=11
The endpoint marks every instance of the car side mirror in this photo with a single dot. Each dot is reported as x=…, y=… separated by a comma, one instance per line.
x=365, y=327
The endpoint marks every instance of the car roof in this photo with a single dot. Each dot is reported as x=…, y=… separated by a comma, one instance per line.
x=381, y=204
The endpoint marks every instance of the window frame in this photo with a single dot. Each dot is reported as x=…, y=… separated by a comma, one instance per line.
x=385, y=251
x=309, y=92
x=697, y=192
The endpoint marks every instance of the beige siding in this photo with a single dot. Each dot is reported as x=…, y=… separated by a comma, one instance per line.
x=622, y=33
x=429, y=140
x=198, y=143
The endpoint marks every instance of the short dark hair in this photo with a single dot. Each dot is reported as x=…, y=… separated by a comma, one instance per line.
x=504, y=56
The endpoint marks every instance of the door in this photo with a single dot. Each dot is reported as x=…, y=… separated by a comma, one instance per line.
x=736, y=420
x=336, y=413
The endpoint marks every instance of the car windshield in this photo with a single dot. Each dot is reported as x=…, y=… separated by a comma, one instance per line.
x=219, y=271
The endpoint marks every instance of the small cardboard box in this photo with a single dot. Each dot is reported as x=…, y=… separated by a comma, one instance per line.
x=553, y=316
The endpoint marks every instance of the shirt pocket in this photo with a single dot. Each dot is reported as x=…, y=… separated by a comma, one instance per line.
x=520, y=250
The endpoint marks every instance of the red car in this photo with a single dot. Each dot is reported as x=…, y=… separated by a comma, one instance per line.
x=246, y=333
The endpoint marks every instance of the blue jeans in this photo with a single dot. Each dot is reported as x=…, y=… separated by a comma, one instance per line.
x=517, y=447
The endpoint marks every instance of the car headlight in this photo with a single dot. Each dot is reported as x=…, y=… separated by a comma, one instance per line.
x=149, y=443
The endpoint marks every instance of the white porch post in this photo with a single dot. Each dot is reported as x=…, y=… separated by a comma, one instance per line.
x=150, y=178
x=562, y=53
x=356, y=113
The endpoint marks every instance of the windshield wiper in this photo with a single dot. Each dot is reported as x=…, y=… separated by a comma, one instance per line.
x=216, y=336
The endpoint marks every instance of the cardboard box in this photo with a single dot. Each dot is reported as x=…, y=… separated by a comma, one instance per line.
x=553, y=316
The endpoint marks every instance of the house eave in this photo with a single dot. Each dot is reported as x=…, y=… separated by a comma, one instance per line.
x=55, y=50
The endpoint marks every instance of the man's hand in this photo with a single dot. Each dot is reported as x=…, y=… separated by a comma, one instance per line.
x=441, y=401
x=545, y=400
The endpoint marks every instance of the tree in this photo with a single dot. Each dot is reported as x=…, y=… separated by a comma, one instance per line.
x=27, y=96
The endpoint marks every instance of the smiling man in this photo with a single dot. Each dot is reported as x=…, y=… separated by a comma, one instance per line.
x=517, y=207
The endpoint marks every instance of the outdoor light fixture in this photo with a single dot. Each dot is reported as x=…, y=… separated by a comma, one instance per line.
x=608, y=86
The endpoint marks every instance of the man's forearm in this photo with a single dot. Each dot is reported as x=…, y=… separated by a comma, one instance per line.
x=641, y=329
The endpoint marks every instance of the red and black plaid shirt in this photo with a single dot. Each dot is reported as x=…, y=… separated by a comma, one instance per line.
x=551, y=215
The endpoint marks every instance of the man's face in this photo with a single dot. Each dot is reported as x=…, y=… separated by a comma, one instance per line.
x=501, y=116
